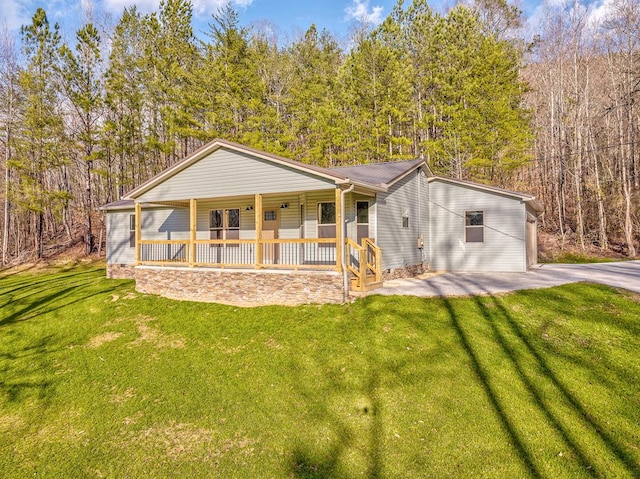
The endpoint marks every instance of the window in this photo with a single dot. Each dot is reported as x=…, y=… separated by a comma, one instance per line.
x=270, y=215
x=132, y=231
x=326, y=220
x=224, y=224
x=362, y=220
x=405, y=218
x=474, y=226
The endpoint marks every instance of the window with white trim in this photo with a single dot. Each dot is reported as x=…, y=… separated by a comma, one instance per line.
x=474, y=226
x=327, y=220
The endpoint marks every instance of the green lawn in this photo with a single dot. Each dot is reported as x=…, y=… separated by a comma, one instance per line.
x=99, y=381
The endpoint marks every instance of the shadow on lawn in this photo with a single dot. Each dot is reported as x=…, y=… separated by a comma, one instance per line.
x=20, y=365
x=307, y=463
x=33, y=302
x=540, y=394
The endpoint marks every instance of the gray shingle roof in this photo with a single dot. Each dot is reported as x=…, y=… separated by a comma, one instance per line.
x=377, y=173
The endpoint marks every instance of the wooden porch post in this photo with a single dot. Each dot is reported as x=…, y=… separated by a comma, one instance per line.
x=138, y=230
x=339, y=227
x=193, y=226
x=258, y=211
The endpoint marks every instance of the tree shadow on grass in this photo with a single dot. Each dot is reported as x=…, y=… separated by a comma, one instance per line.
x=513, y=350
x=36, y=304
x=13, y=371
x=47, y=282
x=491, y=394
x=310, y=461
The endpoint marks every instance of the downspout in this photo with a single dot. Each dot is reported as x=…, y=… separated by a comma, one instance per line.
x=345, y=271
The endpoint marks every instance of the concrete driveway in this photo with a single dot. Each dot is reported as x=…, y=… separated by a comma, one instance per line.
x=620, y=275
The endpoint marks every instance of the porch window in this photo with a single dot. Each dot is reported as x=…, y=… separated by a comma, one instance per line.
x=474, y=226
x=327, y=220
x=224, y=224
x=362, y=220
x=132, y=231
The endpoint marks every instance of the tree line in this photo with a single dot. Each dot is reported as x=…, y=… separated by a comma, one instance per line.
x=84, y=121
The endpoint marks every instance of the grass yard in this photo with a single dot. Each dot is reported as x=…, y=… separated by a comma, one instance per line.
x=99, y=381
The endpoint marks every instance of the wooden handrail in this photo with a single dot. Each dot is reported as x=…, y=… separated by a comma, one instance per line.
x=186, y=241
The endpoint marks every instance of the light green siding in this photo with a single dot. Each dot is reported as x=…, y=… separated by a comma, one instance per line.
x=226, y=173
x=503, y=248
x=400, y=245
x=157, y=224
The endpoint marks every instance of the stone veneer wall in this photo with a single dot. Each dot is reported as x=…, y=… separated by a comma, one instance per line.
x=405, y=272
x=120, y=271
x=243, y=288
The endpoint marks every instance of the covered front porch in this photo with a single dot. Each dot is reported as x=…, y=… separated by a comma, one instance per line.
x=303, y=231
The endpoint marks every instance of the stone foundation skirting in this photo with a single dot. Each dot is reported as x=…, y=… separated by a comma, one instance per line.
x=120, y=271
x=405, y=272
x=242, y=288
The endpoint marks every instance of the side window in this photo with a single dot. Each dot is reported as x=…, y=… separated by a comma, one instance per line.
x=405, y=218
x=132, y=231
x=474, y=226
x=327, y=220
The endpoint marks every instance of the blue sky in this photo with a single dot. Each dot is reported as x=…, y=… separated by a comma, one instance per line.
x=290, y=17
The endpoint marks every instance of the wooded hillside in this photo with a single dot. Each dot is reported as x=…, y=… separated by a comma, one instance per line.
x=86, y=119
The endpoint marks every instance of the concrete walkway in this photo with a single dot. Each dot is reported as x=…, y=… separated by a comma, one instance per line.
x=620, y=275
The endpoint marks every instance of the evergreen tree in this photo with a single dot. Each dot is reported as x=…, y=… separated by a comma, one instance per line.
x=170, y=56
x=377, y=81
x=39, y=151
x=82, y=85
x=313, y=113
x=230, y=76
x=482, y=129
x=122, y=141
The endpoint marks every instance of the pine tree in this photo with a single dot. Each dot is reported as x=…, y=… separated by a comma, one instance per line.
x=122, y=141
x=235, y=92
x=38, y=151
x=82, y=86
x=313, y=115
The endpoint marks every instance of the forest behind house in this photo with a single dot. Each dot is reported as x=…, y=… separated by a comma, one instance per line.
x=556, y=114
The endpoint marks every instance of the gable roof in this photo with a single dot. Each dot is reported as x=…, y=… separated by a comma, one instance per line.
x=376, y=176
x=527, y=198
x=382, y=174
x=217, y=144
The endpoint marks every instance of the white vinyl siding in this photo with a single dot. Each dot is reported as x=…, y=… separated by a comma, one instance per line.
x=503, y=248
x=226, y=173
x=400, y=245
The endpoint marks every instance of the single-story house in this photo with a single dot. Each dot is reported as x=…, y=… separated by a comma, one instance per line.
x=237, y=225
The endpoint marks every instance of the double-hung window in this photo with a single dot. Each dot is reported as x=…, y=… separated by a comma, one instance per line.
x=327, y=220
x=132, y=230
x=474, y=226
x=224, y=224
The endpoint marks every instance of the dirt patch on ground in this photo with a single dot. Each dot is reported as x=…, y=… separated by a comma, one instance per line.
x=151, y=335
x=146, y=333
x=104, y=338
x=273, y=344
x=11, y=422
x=120, y=397
x=181, y=441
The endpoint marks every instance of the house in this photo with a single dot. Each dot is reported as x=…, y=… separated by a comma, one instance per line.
x=237, y=225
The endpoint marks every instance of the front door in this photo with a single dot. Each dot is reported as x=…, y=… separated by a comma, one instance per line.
x=270, y=227
x=362, y=220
